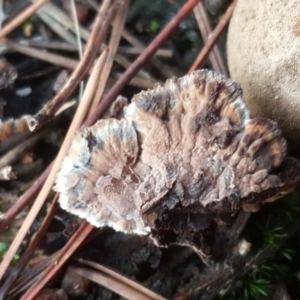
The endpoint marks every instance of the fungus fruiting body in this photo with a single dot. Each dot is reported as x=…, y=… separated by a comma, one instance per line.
x=185, y=158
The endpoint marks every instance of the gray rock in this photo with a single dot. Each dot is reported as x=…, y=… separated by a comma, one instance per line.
x=264, y=56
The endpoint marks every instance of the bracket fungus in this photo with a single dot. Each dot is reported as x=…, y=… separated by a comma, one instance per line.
x=184, y=160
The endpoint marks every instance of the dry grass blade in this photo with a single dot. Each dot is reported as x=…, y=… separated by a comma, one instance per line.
x=96, y=38
x=61, y=46
x=75, y=18
x=213, y=38
x=111, y=280
x=22, y=17
x=113, y=47
x=30, y=249
x=116, y=282
x=78, y=39
x=75, y=241
x=76, y=123
x=205, y=29
x=140, y=61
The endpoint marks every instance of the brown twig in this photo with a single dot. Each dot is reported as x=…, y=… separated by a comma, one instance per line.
x=121, y=278
x=77, y=120
x=22, y=17
x=114, y=41
x=140, y=61
x=74, y=242
x=49, y=57
x=97, y=36
x=205, y=29
x=61, y=60
x=213, y=38
x=30, y=249
x=45, y=44
x=63, y=46
x=137, y=81
x=116, y=282
x=15, y=153
x=162, y=68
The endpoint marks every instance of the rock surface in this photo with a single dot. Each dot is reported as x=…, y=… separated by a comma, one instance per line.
x=264, y=56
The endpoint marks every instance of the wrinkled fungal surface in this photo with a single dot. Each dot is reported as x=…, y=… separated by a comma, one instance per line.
x=184, y=160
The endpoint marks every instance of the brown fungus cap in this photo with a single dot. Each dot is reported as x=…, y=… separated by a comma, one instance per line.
x=185, y=152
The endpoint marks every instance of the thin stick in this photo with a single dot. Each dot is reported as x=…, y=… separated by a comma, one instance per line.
x=119, y=287
x=113, y=47
x=75, y=20
x=72, y=245
x=53, y=44
x=205, y=29
x=138, y=290
x=76, y=123
x=163, y=52
x=64, y=46
x=78, y=39
x=30, y=249
x=96, y=38
x=49, y=57
x=137, y=81
x=21, y=18
x=140, y=61
x=161, y=67
x=15, y=153
x=213, y=38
